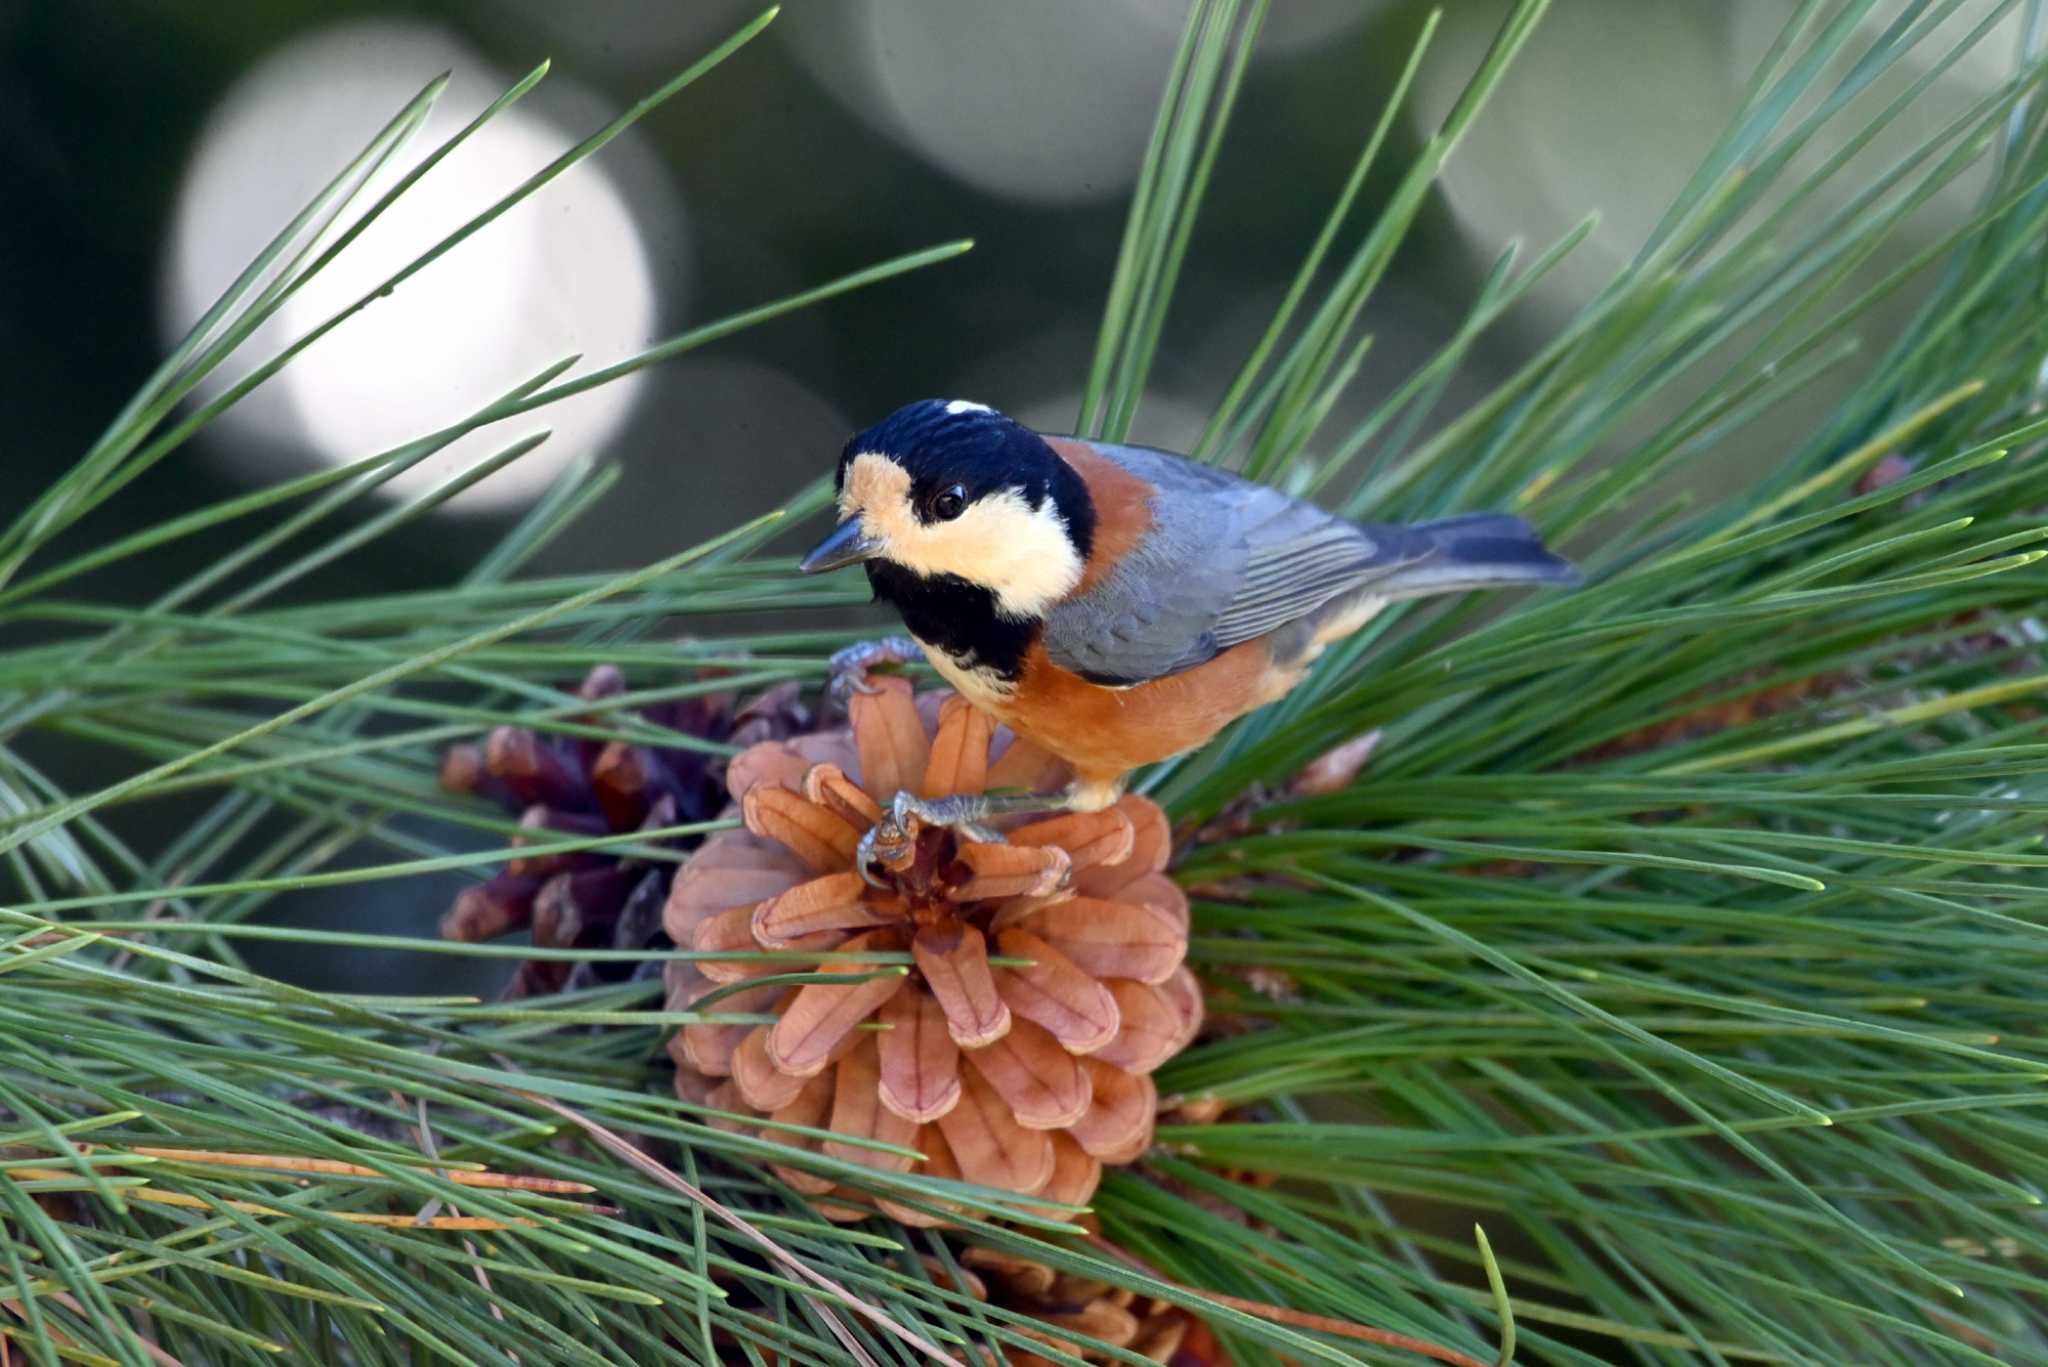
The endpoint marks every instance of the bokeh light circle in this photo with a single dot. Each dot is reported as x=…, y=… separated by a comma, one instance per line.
x=1549, y=149
x=1292, y=27
x=1049, y=102
x=568, y=270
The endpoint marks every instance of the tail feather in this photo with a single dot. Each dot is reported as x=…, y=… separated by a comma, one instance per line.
x=1476, y=551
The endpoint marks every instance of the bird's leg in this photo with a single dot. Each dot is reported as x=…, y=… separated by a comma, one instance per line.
x=889, y=840
x=850, y=666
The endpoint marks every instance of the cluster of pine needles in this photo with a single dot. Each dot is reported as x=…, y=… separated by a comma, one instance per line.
x=1687, y=932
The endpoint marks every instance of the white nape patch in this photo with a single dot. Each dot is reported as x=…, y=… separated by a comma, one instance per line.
x=968, y=406
x=1020, y=553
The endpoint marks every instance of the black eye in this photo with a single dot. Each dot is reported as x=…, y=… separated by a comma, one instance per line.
x=949, y=503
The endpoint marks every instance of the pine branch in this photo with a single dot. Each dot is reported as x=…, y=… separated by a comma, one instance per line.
x=1688, y=929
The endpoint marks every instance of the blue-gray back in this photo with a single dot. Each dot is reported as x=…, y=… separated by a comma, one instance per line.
x=1225, y=561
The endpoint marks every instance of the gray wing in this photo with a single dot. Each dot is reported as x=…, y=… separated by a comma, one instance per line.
x=1226, y=561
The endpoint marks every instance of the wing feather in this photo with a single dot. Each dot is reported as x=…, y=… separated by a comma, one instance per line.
x=1226, y=561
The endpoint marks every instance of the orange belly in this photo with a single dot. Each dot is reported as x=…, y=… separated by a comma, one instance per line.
x=1104, y=733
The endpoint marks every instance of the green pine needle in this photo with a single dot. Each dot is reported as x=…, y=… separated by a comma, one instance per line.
x=1687, y=931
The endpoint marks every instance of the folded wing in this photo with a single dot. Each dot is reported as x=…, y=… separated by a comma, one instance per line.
x=1229, y=561
x=1226, y=561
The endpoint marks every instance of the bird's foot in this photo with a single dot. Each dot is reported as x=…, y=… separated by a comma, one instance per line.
x=891, y=842
x=851, y=665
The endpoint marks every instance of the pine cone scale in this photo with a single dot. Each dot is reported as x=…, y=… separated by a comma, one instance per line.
x=761, y=1084
x=819, y=836
x=1111, y=939
x=837, y=901
x=822, y=1015
x=857, y=1110
x=918, y=1059
x=890, y=736
x=584, y=786
x=1089, y=838
x=1054, y=991
x=956, y=971
x=1044, y=1085
x=1020, y=1078
x=992, y=1149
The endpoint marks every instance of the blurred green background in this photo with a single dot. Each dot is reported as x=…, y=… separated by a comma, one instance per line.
x=147, y=150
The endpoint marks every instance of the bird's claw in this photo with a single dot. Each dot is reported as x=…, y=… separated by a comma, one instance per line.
x=964, y=813
x=850, y=666
x=889, y=841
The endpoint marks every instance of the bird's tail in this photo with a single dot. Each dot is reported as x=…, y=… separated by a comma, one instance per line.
x=1475, y=551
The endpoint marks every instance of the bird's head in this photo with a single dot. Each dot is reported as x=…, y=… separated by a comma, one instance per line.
x=956, y=491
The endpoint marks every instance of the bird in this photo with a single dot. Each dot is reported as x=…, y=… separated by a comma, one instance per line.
x=1117, y=605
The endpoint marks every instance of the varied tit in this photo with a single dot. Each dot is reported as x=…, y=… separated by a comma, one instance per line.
x=1115, y=604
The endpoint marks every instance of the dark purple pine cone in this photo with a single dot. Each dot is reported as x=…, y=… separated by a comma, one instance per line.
x=570, y=786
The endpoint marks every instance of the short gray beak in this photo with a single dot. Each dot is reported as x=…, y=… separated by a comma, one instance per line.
x=848, y=545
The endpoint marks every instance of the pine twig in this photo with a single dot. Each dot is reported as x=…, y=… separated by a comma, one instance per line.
x=1302, y=1319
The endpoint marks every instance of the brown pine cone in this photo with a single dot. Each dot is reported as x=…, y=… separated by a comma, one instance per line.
x=1068, y=1304
x=1024, y=1078
x=568, y=786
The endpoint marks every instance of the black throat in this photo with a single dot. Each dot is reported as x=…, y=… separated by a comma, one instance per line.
x=957, y=616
